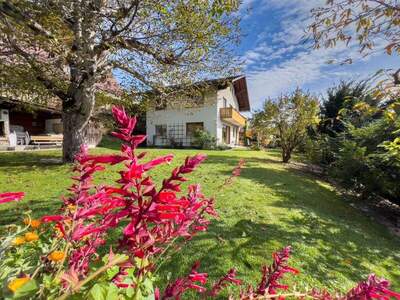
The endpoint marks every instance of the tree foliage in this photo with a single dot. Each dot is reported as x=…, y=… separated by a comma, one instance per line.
x=372, y=25
x=364, y=154
x=62, y=49
x=288, y=118
x=365, y=21
x=357, y=141
x=341, y=98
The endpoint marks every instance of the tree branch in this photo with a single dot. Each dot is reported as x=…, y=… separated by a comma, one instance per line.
x=137, y=75
x=8, y=9
x=40, y=74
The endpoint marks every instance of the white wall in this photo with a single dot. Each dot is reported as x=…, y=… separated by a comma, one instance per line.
x=170, y=116
x=209, y=114
x=4, y=116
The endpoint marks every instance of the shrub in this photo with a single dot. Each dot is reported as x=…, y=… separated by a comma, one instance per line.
x=204, y=140
x=223, y=147
x=255, y=147
x=58, y=256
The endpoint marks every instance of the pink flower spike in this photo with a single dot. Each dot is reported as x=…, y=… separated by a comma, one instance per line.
x=157, y=161
x=11, y=196
x=122, y=118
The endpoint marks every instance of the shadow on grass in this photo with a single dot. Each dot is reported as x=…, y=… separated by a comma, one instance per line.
x=21, y=161
x=331, y=240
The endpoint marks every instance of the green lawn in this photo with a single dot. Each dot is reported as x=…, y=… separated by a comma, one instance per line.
x=268, y=207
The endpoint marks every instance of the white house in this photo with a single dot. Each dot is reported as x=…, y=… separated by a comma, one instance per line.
x=216, y=111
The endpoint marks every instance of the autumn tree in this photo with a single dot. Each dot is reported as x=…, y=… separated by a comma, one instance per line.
x=287, y=118
x=372, y=25
x=53, y=49
x=258, y=128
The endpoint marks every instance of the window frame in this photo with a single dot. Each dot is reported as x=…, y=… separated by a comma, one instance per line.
x=164, y=128
x=192, y=132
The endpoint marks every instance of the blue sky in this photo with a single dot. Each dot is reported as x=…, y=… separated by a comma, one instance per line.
x=276, y=60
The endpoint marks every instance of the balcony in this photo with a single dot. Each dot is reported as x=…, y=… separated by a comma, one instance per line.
x=232, y=116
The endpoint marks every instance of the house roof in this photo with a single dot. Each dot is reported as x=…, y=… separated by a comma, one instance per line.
x=241, y=92
x=239, y=84
x=240, y=87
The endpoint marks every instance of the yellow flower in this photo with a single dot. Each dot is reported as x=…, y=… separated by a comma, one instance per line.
x=17, y=283
x=19, y=240
x=71, y=207
x=56, y=256
x=31, y=236
x=32, y=222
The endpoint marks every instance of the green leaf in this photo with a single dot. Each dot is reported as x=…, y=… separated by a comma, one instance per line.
x=98, y=292
x=112, y=292
x=27, y=290
x=129, y=292
x=111, y=272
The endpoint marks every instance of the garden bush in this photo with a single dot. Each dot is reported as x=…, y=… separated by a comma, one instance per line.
x=59, y=256
x=204, y=140
x=353, y=141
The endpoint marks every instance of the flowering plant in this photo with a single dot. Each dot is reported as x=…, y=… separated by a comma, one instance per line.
x=59, y=256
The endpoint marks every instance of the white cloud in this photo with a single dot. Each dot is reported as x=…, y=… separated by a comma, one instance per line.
x=285, y=62
x=304, y=68
x=260, y=52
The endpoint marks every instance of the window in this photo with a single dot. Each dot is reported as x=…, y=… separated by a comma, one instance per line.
x=192, y=127
x=161, y=130
x=2, y=128
x=225, y=103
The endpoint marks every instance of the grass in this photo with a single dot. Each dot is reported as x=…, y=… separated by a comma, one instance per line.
x=268, y=207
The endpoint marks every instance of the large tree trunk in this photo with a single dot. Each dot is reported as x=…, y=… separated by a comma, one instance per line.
x=286, y=155
x=76, y=115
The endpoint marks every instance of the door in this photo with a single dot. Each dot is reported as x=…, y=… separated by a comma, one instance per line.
x=226, y=134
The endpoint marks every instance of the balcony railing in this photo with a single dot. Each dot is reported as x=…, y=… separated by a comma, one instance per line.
x=232, y=116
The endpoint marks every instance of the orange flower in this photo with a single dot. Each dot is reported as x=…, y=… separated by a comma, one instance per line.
x=32, y=222
x=35, y=223
x=31, y=236
x=56, y=256
x=19, y=240
x=59, y=233
x=17, y=283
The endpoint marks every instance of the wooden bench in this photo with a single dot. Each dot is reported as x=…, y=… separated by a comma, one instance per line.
x=46, y=139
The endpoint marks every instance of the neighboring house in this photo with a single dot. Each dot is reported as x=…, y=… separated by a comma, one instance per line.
x=24, y=123
x=217, y=111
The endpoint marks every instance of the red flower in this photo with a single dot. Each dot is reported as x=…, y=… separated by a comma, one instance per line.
x=104, y=159
x=272, y=274
x=11, y=196
x=181, y=285
x=166, y=197
x=171, y=216
x=229, y=278
x=55, y=218
x=158, y=161
x=136, y=171
x=372, y=288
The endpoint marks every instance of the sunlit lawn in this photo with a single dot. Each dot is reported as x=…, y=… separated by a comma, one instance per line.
x=268, y=207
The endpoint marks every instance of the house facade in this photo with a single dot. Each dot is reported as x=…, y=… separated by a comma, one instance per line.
x=218, y=111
